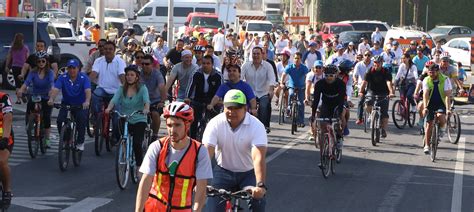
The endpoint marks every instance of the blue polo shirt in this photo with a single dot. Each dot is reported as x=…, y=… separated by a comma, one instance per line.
x=74, y=93
x=241, y=85
x=420, y=62
x=297, y=75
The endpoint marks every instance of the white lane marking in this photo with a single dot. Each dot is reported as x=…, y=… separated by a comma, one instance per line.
x=456, y=201
x=88, y=204
x=42, y=203
x=286, y=147
x=394, y=195
x=18, y=160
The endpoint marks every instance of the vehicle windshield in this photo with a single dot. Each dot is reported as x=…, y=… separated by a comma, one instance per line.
x=206, y=22
x=260, y=27
x=339, y=29
x=62, y=15
x=64, y=32
x=274, y=17
x=440, y=30
x=115, y=14
x=348, y=37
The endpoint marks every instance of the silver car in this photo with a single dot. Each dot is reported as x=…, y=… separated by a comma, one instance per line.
x=448, y=32
x=55, y=17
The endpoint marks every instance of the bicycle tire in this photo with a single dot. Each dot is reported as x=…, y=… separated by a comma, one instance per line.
x=338, y=155
x=454, y=128
x=133, y=168
x=76, y=154
x=122, y=167
x=108, y=135
x=375, y=134
x=98, y=141
x=333, y=160
x=146, y=140
x=293, y=118
x=366, y=121
x=63, y=148
x=398, y=114
x=411, y=117
x=90, y=124
x=434, y=142
x=281, y=108
x=324, y=157
x=200, y=129
x=33, y=144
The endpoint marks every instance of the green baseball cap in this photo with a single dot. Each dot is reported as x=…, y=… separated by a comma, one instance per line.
x=235, y=98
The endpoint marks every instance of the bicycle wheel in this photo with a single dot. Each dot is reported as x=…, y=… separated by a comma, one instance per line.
x=91, y=123
x=325, y=160
x=122, y=167
x=200, y=129
x=434, y=142
x=338, y=154
x=33, y=144
x=454, y=128
x=76, y=154
x=333, y=159
x=411, y=117
x=294, y=114
x=146, y=140
x=366, y=121
x=133, y=168
x=42, y=141
x=375, y=135
x=281, y=108
x=98, y=141
x=107, y=132
x=63, y=147
x=398, y=114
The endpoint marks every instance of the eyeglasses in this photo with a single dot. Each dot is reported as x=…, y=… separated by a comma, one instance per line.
x=146, y=64
x=41, y=61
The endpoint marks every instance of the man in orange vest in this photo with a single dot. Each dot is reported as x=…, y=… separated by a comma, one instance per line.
x=173, y=166
x=6, y=147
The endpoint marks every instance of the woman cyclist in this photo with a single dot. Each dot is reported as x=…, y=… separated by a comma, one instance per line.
x=40, y=80
x=130, y=97
x=406, y=79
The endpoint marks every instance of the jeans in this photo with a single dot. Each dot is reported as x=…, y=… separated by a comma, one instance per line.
x=198, y=110
x=100, y=97
x=80, y=117
x=408, y=91
x=233, y=181
x=300, y=103
x=264, y=110
x=360, y=107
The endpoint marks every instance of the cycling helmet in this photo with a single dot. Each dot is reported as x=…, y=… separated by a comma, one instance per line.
x=286, y=52
x=433, y=67
x=377, y=58
x=199, y=48
x=147, y=50
x=330, y=69
x=230, y=52
x=346, y=66
x=429, y=63
x=445, y=55
x=132, y=68
x=318, y=63
x=180, y=110
x=193, y=39
x=41, y=55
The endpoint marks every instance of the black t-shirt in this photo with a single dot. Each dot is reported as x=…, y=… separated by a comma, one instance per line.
x=332, y=94
x=377, y=81
x=164, y=35
x=31, y=60
x=174, y=56
x=275, y=71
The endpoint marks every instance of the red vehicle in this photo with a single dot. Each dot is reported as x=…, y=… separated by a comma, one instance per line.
x=328, y=30
x=208, y=22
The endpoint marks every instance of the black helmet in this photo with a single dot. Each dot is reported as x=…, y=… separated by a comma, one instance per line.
x=132, y=68
x=330, y=69
x=346, y=66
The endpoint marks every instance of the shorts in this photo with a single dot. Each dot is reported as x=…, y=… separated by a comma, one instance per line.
x=16, y=71
x=154, y=108
x=11, y=142
x=432, y=110
x=383, y=104
x=326, y=111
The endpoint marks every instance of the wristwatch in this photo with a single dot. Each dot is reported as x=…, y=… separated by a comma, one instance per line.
x=262, y=185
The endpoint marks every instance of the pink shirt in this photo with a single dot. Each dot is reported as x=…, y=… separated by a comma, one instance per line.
x=19, y=56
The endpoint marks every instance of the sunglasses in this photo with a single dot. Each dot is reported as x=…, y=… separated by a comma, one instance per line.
x=41, y=61
x=367, y=55
x=318, y=67
x=146, y=64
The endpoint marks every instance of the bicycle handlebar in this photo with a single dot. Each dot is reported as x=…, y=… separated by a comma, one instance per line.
x=67, y=107
x=127, y=116
x=244, y=194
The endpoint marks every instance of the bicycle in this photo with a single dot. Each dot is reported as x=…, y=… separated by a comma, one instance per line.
x=435, y=136
x=376, y=118
x=232, y=199
x=294, y=103
x=125, y=163
x=67, y=139
x=401, y=113
x=281, y=106
x=453, y=126
x=35, y=128
x=202, y=123
x=102, y=129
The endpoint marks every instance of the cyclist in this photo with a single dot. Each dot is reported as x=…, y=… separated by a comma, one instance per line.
x=231, y=58
x=450, y=71
x=285, y=56
x=217, y=61
x=420, y=59
x=31, y=60
x=97, y=53
x=198, y=54
x=297, y=76
x=41, y=80
x=6, y=147
x=412, y=49
x=311, y=55
x=130, y=97
x=406, y=79
x=360, y=70
x=332, y=93
x=418, y=94
x=159, y=51
x=202, y=87
x=175, y=166
x=398, y=53
x=76, y=91
x=182, y=72
x=312, y=78
x=155, y=84
x=173, y=56
x=344, y=68
x=363, y=46
x=376, y=50
x=128, y=55
x=239, y=143
x=378, y=81
x=337, y=57
x=137, y=58
x=436, y=96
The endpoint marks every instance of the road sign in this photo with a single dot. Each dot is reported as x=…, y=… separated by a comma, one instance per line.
x=297, y=20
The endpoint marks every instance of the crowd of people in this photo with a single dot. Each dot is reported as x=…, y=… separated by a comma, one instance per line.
x=242, y=74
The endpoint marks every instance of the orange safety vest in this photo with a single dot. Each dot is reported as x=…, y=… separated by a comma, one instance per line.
x=10, y=140
x=174, y=193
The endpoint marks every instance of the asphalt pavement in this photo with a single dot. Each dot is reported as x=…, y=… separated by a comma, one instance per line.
x=393, y=176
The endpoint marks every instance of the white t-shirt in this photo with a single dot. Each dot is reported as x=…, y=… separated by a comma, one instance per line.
x=350, y=55
x=280, y=45
x=402, y=72
x=359, y=71
x=281, y=69
x=109, y=73
x=310, y=59
x=203, y=165
x=218, y=41
x=398, y=55
x=86, y=34
x=335, y=59
x=233, y=148
x=362, y=48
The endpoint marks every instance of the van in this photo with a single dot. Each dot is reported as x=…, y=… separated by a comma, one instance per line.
x=259, y=27
x=155, y=13
x=405, y=35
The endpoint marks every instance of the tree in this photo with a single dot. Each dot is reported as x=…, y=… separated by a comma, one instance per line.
x=416, y=11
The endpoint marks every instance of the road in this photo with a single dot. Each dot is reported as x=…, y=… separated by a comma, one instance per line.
x=393, y=176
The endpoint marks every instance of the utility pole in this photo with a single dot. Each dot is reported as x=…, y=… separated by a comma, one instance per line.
x=170, y=23
x=99, y=7
x=35, y=24
x=402, y=22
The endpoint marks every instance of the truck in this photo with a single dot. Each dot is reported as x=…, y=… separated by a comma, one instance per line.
x=130, y=6
x=270, y=10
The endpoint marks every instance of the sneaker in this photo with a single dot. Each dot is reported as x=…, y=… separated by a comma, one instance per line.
x=384, y=133
x=267, y=129
x=340, y=144
x=413, y=109
x=301, y=125
x=288, y=113
x=426, y=150
x=7, y=199
x=47, y=143
x=346, y=131
x=421, y=122
x=80, y=147
x=360, y=121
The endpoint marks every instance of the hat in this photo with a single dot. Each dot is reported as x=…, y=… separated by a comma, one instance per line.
x=235, y=98
x=134, y=41
x=423, y=41
x=312, y=44
x=339, y=47
x=220, y=29
x=395, y=43
x=72, y=63
x=351, y=43
x=302, y=33
x=318, y=63
x=86, y=22
x=186, y=52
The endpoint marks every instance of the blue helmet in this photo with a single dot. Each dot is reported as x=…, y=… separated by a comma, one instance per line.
x=345, y=66
x=318, y=63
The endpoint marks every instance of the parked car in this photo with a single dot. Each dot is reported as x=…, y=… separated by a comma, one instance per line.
x=116, y=17
x=66, y=31
x=259, y=27
x=354, y=36
x=460, y=50
x=55, y=17
x=368, y=25
x=208, y=22
x=448, y=32
x=405, y=35
x=329, y=30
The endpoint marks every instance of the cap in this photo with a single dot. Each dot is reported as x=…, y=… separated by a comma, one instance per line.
x=413, y=42
x=86, y=22
x=73, y=63
x=423, y=41
x=395, y=43
x=235, y=98
x=318, y=63
x=286, y=31
x=351, y=43
x=220, y=29
x=134, y=41
x=186, y=52
x=312, y=43
x=339, y=47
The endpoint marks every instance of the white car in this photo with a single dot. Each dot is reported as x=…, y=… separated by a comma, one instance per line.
x=259, y=27
x=369, y=25
x=66, y=31
x=460, y=50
